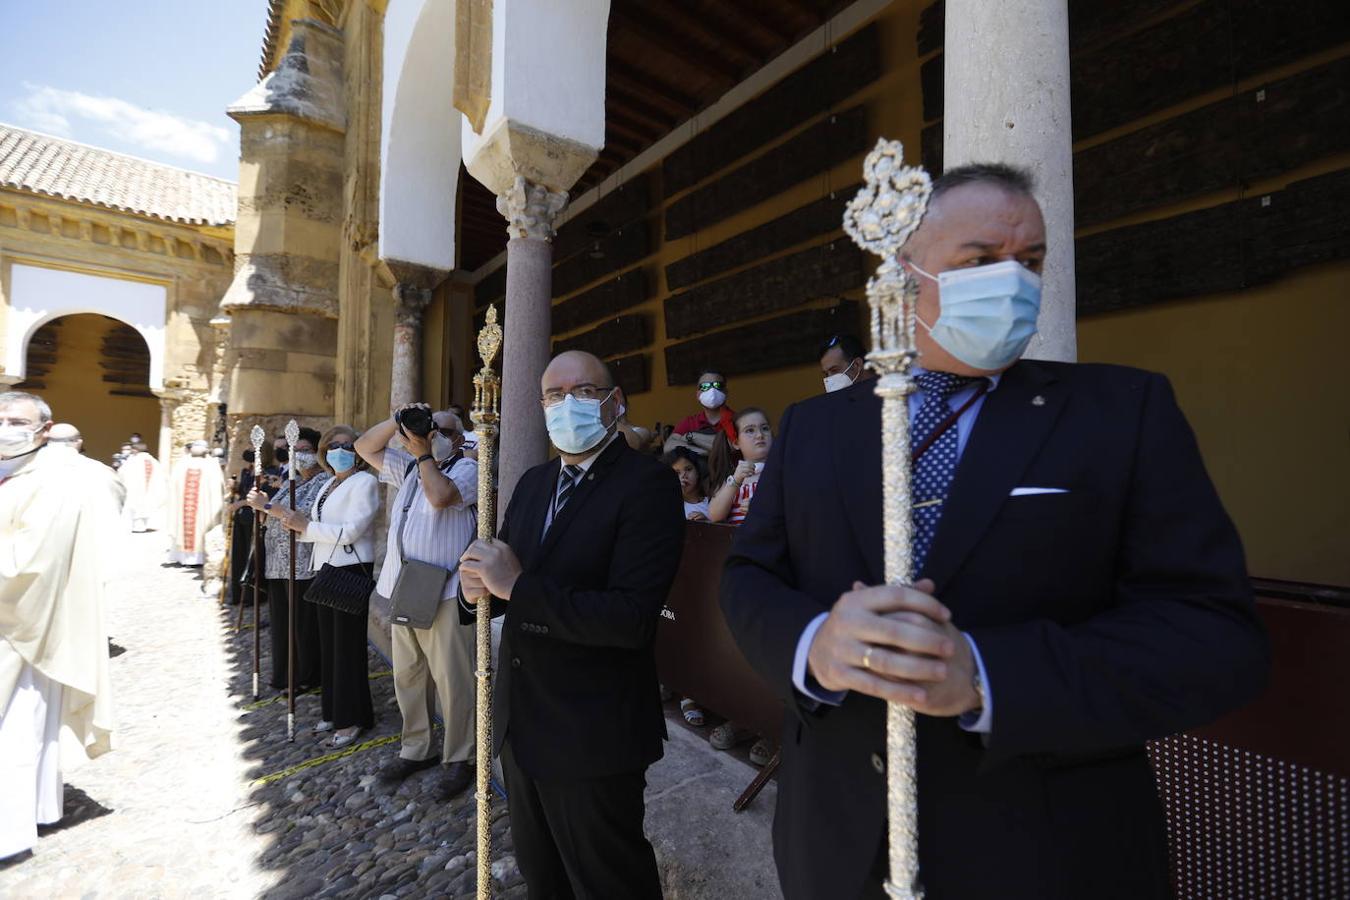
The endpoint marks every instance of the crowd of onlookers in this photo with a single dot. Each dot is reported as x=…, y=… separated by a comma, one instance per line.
x=718, y=454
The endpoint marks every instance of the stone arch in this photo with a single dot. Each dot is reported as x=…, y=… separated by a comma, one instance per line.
x=419, y=136
x=39, y=294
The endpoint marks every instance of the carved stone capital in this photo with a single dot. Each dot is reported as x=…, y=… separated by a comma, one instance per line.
x=530, y=209
x=410, y=301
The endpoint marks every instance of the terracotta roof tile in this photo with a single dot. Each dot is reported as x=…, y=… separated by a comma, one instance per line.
x=48, y=165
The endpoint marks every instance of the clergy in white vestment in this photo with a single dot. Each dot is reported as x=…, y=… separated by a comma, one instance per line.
x=195, y=503
x=145, y=489
x=57, y=515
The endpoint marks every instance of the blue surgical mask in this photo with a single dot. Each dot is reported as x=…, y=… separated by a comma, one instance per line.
x=988, y=313
x=341, y=460
x=574, y=426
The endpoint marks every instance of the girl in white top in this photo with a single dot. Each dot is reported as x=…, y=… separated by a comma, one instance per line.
x=338, y=524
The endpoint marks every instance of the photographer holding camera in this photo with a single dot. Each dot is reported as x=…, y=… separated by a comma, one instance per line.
x=431, y=522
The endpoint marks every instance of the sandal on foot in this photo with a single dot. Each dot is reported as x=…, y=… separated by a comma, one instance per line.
x=692, y=714
x=342, y=740
x=321, y=726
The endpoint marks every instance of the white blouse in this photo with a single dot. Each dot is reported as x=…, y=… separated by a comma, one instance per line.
x=349, y=508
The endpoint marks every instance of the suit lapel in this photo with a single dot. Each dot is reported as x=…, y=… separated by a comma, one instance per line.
x=1013, y=423
x=857, y=470
x=580, y=494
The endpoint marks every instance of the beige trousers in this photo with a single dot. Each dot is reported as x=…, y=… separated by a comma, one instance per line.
x=441, y=655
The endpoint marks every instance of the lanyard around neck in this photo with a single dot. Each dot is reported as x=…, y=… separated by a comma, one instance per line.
x=948, y=422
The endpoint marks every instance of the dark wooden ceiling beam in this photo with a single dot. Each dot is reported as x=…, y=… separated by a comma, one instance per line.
x=652, y=89
x=680, y=19
x=778, y=39
x=642, y=28
x=628, y=128
x=637, y=110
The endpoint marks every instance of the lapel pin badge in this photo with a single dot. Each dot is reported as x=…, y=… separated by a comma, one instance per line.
x=1038, y=400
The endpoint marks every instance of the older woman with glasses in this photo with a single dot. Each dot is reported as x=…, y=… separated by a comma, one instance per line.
x=338, y=524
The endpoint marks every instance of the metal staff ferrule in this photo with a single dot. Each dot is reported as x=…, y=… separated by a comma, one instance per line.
x=880, y=219
x=487, y=390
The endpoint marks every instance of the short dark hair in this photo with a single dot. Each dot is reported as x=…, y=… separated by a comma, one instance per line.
x=310, y=434
x=1013, y=179
x=848, y=345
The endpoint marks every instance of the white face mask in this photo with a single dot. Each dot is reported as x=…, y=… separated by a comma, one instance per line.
x=442, y=448
x=16, y=440
x=839, y=380
x=988, y=313
x=712, y=398
x=305, y=460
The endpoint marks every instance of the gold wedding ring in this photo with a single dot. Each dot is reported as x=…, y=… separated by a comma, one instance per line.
x=867, y=657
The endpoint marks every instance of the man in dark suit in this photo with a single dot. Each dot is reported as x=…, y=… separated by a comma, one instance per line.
x=1082, y=591
x=582, y=566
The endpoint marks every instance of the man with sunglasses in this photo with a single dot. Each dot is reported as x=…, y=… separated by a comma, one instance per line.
x=715, y=415
x=431, y=519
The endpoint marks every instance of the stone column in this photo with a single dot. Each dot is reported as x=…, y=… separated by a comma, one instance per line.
x=166, y=448
x=1006, y=72
x=410, y=302
x=529, y=210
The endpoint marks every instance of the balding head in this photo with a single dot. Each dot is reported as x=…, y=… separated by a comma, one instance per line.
x=66, y=435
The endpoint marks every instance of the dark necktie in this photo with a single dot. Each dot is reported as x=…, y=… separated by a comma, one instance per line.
x=567, y=482
x=932, y=473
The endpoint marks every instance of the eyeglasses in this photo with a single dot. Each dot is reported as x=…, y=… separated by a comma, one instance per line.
x=579, y=392
x=711, y=385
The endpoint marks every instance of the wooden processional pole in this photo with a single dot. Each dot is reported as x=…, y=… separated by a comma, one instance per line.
x=880, y=219
x=256, y=436
x=487, y=392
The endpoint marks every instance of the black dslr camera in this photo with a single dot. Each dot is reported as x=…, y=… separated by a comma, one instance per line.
x=415, y=420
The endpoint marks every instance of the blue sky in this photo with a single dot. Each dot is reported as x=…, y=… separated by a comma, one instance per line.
x=148, y=77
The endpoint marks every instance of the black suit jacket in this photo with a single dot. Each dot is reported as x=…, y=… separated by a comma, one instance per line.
x=1106, y=616
x=576, y=689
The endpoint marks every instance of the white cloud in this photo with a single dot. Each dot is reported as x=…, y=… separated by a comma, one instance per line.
x=60, y=112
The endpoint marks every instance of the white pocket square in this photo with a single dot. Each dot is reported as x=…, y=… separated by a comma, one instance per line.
x=1030, y=491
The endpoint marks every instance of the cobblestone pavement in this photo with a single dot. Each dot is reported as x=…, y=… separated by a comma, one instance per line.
x=204, y=797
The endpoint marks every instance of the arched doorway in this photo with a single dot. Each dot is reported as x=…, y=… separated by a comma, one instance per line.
x=94, y=372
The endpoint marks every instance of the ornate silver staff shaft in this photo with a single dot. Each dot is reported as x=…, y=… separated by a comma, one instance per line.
x=880, y=219
x=487, y=391
x=256, y=436
x=292, y=437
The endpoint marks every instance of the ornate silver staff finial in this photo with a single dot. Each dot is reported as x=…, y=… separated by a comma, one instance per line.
x=880, y=219
x=256, y=436
x=292, y=437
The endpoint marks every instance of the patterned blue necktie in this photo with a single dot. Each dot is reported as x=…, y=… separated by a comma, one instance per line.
x=932, y=473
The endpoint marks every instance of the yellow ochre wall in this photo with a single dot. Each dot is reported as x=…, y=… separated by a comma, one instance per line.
x=77, y=394
x=1260, y=375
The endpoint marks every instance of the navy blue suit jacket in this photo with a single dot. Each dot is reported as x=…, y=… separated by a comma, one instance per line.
x=1108, y=615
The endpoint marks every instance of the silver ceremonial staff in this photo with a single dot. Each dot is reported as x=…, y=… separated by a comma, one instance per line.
x=292, y=436
x=256, y=436
x=487, y=393
x=880, y=219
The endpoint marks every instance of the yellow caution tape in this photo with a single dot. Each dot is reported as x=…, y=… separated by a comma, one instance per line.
x=321, y=760
x=383, y=673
